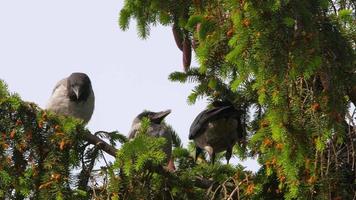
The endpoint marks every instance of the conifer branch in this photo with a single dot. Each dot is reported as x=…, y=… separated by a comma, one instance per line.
x=101, y=144
x=199, y=182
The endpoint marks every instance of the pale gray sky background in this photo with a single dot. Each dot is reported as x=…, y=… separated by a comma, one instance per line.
x=43, y=41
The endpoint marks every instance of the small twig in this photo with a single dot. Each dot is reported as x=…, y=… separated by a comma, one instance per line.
x=328, y=161
x=106, y=163
x=237, y=188
x=215, y=191
x=225, y=190
x=106, y=172
x=93, y=188
x=321, y=163
x=333, y=6
x=335, y=153
x=351, y=131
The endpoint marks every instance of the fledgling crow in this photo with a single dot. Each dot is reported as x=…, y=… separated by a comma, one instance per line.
x=216, y=129
x=156, y=129
x=73, y=96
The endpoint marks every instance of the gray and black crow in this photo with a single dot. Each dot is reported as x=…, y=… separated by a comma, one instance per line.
x=156, y=129
x=73, y=96
x=216, y=129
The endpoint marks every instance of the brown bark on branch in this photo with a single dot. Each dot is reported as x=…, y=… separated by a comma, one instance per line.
x=95, y=140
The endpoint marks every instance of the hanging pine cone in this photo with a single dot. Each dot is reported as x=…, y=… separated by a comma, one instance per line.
x=187, y=53
x=178, y=36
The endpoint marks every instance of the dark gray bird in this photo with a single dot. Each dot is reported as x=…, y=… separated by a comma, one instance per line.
x=73, y=96
x=156, y=129
x=216, y=129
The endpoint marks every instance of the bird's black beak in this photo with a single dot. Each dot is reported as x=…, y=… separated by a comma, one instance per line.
x=76, y=91
x=159, y=116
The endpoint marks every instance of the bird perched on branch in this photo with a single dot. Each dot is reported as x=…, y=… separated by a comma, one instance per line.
x=217, y=129
x=73, y=96
x=156, y=129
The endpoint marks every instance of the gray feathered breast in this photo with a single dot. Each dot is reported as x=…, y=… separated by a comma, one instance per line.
x=61, y=103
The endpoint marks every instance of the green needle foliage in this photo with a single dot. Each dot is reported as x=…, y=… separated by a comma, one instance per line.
x=39, y=151
x=290, y=65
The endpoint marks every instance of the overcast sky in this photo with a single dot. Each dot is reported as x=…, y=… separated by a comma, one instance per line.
x=43, y=41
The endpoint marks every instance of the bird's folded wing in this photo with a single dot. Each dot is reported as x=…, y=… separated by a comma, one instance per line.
x=200, y=123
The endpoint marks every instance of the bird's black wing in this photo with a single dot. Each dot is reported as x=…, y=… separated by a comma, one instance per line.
x=200, y=122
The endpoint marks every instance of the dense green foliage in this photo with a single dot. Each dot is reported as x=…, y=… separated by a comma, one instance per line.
x=41, y=154
x=289, y=65
x=39, y=151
